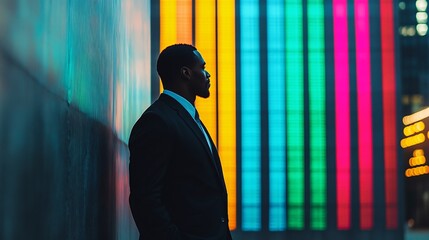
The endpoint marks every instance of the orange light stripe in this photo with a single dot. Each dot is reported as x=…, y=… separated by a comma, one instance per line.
x=205, y=41
x=227, y=102
x=184, y=21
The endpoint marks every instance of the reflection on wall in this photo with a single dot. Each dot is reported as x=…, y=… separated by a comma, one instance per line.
x=56, y=165
x=81, y=78
x=94, y=55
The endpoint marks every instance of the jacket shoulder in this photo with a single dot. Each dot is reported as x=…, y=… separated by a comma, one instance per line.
x=158, y=115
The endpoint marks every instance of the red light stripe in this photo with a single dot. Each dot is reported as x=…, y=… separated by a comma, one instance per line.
x=342, y=110
x=389, y=111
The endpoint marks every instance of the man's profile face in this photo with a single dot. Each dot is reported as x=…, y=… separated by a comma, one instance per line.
x=200, y=78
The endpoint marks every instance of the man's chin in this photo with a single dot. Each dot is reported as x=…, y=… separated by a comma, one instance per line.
x=204, y=95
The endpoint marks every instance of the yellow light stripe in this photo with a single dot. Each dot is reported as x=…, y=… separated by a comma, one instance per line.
x=205, y=42
x=167, y=23
x=184, y=21
x=227, y=102
x=175, y=23
x=167, y=26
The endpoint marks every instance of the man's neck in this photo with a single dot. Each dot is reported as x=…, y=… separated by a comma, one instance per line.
x=183, y=94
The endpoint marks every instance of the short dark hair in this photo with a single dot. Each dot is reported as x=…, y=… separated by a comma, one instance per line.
x=172, y=59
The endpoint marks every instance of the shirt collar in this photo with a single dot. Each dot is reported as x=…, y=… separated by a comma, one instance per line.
x=185, y=103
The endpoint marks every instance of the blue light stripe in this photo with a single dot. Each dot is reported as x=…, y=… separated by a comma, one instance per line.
x=276, y=115
x=250, y=115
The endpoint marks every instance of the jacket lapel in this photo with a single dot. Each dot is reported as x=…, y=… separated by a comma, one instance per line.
x=216, y=158
x=181, y=111
x=195, y=129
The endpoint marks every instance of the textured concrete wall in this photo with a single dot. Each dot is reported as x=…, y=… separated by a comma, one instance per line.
x=57, y=169
x=74, y=76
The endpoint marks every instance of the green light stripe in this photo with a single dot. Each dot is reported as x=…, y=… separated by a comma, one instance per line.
x=295, y=113
x=316, y=83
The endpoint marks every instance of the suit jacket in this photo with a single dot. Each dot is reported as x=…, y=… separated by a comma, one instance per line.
x=176, y=182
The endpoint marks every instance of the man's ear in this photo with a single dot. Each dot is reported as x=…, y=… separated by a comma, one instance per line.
x=185, y=72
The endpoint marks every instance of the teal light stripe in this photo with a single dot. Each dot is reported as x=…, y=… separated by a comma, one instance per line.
x=276, y=115
x=250, y=115
x=316, y=85
x=295, y=113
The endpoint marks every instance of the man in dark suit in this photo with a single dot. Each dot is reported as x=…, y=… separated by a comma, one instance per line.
x=177, y=186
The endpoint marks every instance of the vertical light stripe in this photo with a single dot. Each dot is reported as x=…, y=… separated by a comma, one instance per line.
x=227, y=102
x=167, y=23
x=363, y=81
x=295, y=113
x=184, y=21
x=389, y=111
x=276, y=114
x=250, y=115
x=205, y=42
x=342, y=112
x=167, y=26
x=317, y=91
x=175, y=23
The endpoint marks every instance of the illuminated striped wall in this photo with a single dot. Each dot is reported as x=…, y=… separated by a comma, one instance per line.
x=302, y=108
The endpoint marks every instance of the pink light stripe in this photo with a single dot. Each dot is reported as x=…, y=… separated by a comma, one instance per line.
x=365, y=151
x=363, y=73
x=342, y=110
x=389, y=111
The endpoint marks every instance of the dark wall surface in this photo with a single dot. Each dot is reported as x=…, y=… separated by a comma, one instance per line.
x=57, y=177
x=73, y=80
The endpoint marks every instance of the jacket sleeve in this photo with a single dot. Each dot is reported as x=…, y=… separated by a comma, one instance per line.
x=150, y=153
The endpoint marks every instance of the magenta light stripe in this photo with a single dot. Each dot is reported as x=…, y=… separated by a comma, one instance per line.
x=389, y=111
x=363, y=74
x=342, y=110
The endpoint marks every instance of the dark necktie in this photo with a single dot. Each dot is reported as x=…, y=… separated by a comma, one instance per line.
x=200, y=125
